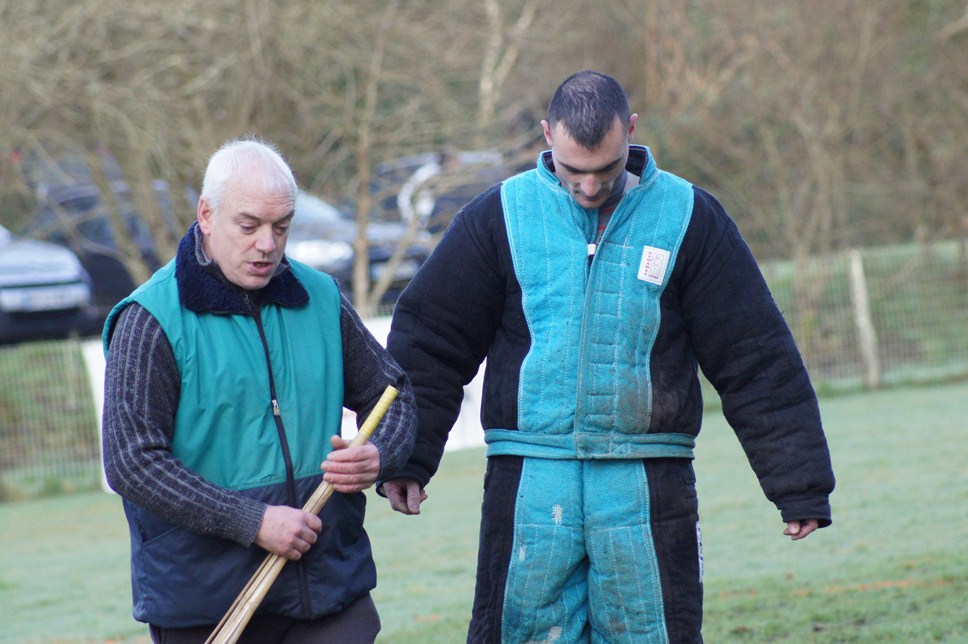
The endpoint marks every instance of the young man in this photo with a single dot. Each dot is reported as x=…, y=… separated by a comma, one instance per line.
x=227, y=373
x=594, y=285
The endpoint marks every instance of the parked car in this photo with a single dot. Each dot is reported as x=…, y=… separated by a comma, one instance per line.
x=75, y=217
x=45, y=293
x=322, y=236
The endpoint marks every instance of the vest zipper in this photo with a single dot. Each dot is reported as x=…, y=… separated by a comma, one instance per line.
x=284, y=444
x=276, y=415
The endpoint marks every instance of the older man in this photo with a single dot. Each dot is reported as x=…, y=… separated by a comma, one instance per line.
x=227, y=373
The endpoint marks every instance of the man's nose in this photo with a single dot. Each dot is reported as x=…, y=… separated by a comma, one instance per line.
x=266, y=241
x=589, y=185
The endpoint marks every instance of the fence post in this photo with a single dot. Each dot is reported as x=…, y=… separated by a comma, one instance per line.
x=93, y=352
x=866, y=334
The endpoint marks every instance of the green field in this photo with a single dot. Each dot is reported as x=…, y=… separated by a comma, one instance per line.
x=892, y=568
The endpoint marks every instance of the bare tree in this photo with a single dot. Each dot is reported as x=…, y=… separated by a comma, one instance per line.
x=818, y=129
x=502, y=48
x=364, y=151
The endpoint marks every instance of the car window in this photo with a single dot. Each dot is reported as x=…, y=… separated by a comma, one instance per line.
x=311, y=210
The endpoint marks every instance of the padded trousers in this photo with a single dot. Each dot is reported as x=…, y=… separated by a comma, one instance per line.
x=588, y=551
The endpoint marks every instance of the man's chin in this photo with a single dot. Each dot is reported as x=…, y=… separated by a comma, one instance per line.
x=251, y=282
x=590, y=204
x=256, y=283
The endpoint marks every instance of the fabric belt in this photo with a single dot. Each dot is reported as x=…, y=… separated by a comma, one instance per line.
x=587, y=445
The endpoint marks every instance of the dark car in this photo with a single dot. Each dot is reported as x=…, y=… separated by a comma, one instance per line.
x=322, y=236
x=45, y=293
x=75, y=216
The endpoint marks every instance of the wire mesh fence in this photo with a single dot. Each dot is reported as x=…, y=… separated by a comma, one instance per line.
x=880, y=317
x=49, y=439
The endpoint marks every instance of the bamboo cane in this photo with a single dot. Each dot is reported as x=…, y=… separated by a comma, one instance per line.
x=240, y=612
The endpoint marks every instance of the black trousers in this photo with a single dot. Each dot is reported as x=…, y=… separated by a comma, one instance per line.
x=359, y=623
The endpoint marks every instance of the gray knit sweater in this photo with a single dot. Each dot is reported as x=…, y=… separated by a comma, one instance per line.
x=142, y=388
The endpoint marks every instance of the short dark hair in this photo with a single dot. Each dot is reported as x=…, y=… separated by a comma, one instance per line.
x=586, y=104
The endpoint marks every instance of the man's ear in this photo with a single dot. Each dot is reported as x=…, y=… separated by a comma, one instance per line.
x=204, y=214
x=632, y=120
x=547, y=132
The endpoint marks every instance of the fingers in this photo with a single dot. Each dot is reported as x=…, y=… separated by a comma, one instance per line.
x=288, y=532
x=351, y=469
x=314, y=523
x=415, y=496
x=797, y=530
x=397, y=497
x=301, y=544
x=405, y=495
x=306, y=533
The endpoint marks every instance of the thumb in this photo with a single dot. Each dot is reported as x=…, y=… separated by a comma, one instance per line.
x=338, y=442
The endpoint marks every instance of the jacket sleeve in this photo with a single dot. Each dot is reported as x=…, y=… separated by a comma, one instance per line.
x=444, y=323
x=367, y=370
x=141, y=391
x=746, y=350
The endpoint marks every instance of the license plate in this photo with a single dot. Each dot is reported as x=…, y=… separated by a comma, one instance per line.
x=44, y=298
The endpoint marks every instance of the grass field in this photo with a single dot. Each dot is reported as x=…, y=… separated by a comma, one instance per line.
x=892, y=568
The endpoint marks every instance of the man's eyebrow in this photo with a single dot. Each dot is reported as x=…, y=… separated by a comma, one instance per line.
x=244, y=214
x=604, y=168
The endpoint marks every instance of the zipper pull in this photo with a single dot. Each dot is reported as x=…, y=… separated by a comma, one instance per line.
x=591, y=250
x=275, y=407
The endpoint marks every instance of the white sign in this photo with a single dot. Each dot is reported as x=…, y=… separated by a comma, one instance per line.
x=653, y=266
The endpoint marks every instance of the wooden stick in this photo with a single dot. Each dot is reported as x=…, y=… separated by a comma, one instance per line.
x=240, y=612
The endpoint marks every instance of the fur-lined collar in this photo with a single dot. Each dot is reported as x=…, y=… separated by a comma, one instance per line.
x=202, y=287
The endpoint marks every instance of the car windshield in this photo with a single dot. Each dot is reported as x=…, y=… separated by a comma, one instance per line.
x=313, y=211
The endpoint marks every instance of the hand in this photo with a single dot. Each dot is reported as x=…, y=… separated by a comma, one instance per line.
x=797, y=530
x=405, y=495
x=351, y=469
x=287, y=532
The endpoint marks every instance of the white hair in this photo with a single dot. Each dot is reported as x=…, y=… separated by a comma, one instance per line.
x=257, y=158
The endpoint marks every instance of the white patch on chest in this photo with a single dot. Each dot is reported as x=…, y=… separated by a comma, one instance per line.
x=652, y=269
